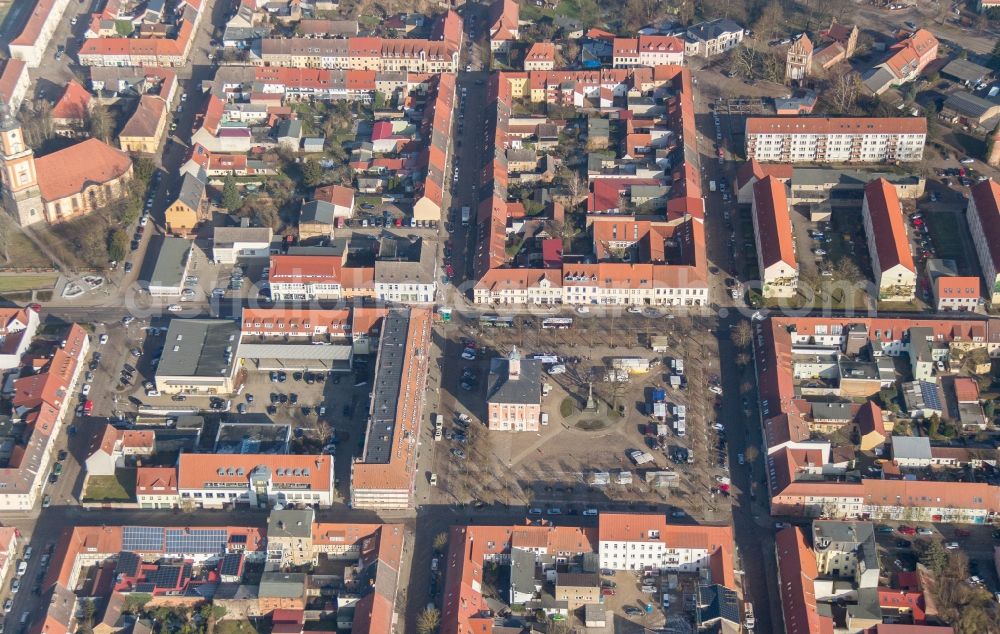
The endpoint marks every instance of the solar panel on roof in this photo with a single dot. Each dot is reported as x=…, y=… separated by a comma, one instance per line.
x=164, y=576
x=195, y=540
x=145, y=588
x=128, y=564
x=142, y=538
x=231, y=564
x=930, y=393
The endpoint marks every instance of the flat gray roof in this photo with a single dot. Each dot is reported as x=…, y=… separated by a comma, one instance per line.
x=199, y=347
x=166, y=263
x=388, y=380
x=325, y=352
x=846, y=177
x=913, y=447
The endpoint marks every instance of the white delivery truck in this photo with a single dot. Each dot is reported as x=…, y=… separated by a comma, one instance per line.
x=438, y=426
x=466, y=215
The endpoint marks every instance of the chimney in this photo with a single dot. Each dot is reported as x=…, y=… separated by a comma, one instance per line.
x=514, y=364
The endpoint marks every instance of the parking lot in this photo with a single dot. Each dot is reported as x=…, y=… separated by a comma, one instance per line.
x=552, y=471
x=900, y=545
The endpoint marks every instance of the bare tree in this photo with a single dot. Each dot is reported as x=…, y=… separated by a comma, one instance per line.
x=428, y=621
x=843, y=93
x=771, y=21
x=100, y=123
x=741, y=334
x=745, y=60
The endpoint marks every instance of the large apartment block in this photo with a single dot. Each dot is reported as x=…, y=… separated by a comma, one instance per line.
x=835, y=139
x=983, y=214
x=888, y=244
x=437, y=55
x=772, y=225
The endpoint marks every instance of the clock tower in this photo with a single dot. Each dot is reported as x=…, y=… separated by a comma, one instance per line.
x=21, y=195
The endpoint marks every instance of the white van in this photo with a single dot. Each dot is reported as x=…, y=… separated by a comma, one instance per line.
x=22, y=567
x=557, y=369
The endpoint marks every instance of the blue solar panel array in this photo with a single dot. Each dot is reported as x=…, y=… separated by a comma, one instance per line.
x=142, y=539
x=231, y=564
x=930, y=393
x=196, y=540
x=128, y=564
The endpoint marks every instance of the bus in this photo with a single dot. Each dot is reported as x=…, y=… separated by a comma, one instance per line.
x=496, y=321
x=561, y=323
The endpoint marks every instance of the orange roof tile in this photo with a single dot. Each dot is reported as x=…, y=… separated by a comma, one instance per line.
x=774, y=224
x=305, y=268
x=74, y=102
x=836, y=125
x=156, y=481
x=70, y=170
x=986, y=196
x=297, y=321
x=541, y=52
x=891, y=243
x=796, y=575
x=195, y=471
x=949, y=287
x=966, y=390
x=335, y=195
x=754, y=169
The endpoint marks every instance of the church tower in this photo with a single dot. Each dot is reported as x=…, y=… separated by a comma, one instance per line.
x=21, y=195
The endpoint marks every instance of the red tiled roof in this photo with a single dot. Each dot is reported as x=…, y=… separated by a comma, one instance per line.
x=891, y=243
x=296, y=321
x=836, y=125
x=986, y=196
x=754, y=169
x=949, y=287
x=74, y=102
x=156, y=481
x=196, y=471
x=541, y=52
x=335, y=195
x=305, y=268
x=869, y=419
x=966, y=390
x=774, y=223
x=70, y=170
x=796, y=576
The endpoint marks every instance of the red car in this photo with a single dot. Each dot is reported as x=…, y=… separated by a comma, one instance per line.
x=608, y=592
x=88, y=407
x=907, y=530
x=449, y=271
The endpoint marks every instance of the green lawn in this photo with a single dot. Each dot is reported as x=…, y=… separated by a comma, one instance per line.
x=117, y=488
x=15, y=283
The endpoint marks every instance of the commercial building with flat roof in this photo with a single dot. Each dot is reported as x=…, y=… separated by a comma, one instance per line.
x=199, y=356
x=165, y=267
x=383, y=478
